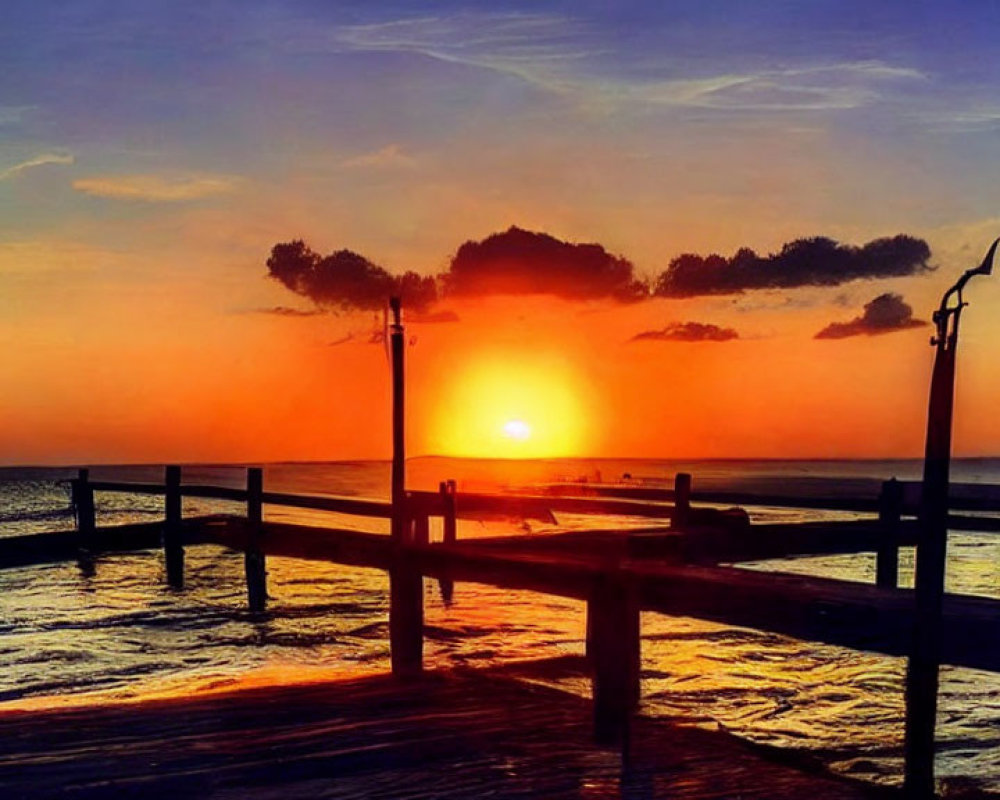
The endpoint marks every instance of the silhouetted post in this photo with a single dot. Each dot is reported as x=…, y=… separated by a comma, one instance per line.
x=448, y=500
x=890, y=506
x=449, y=533
x=398, y=479
x=925, y=654
x=682, y=500
x=173, y=547
x=613, y=623
x=421, y=529
x=254, y=562
x=83, y=503
x=406, y=585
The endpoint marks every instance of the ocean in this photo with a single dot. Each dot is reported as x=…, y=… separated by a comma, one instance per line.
x=118, y=633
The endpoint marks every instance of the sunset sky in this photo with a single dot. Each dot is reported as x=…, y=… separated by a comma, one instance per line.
x=152, y=154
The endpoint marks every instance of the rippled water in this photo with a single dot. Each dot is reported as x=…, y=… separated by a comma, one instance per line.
x=119, y=632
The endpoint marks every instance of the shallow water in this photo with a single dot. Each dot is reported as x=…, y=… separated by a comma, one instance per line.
x=120, y=633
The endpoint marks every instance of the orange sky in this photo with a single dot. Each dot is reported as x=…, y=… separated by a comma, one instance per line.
x=139, y=202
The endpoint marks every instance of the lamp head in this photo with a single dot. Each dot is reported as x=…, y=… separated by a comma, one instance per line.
x=987, y=266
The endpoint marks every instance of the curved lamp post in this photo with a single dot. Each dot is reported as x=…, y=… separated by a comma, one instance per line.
x=922, y=669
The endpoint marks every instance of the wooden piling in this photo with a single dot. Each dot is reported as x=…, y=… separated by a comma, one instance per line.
x=406, y=619
x=254, y=562
x=83, y=503
x=449, y=533
x=682, y=500
x=448, y=499
x=890, y=505
x=173, y=546
x=613, y=625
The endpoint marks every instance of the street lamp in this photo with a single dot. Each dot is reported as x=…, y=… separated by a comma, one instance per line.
x=922, y=668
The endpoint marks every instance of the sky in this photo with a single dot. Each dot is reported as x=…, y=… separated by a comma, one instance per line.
x=152, y=155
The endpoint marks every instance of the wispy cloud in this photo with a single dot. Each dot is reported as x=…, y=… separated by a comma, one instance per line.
x=37, y=161
x=157, y=188
x=391, y=156
x=12, y=115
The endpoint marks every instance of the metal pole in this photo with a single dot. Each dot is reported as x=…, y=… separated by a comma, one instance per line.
x=922, y=668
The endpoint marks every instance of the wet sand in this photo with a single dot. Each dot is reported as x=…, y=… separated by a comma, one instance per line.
x=448, y=735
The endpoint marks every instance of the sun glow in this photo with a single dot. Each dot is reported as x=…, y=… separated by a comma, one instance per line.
x=507, y=407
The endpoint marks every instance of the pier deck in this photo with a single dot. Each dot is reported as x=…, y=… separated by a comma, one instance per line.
x=460, y=735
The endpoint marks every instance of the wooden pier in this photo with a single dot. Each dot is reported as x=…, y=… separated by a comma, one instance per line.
x=675, y=565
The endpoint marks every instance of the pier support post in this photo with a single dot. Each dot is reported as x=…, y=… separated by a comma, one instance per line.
x=890, y=505
x=83, y=503
x=614, y=649
x=173, y=547
x=254, y=562
x=406, y=619
x=449, y=534
x=682, y=500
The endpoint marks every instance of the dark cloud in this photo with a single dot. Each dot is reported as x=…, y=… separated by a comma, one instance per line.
x=345, y=280
x=803, y=262
x=523, y=262
x=884, y=314
x=688, y=332
x=285, y=311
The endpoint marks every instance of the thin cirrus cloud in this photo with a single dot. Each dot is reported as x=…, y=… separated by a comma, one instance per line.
x=36, y=161
x=157, y=188
x=561, y=55
x=392, y=156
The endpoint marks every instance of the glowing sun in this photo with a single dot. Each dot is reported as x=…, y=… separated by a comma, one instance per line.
x=507, y=406
x=517, y=429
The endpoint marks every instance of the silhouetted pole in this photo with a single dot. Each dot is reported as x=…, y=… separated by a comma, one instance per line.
x=682, y=500
x=922, y=668
x=613, y=649
x=449, y=533
x=173, y=547
x=406, y=585
x=890, y=503
x=254, y=562
x=83, y=503
x=398, y=480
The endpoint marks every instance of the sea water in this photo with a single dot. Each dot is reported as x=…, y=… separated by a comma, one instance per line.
x=116, y=632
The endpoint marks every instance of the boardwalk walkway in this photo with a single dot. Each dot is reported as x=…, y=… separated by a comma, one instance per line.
x=452, y=735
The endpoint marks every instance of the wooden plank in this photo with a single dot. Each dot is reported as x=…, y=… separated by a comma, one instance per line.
x=173, y=542
x=341, y=505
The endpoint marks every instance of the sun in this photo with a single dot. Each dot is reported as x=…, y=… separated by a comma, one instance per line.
x=517, y=429
x=511, y=406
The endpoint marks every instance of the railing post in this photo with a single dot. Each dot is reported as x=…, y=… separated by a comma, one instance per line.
x=447, y=489
x=254, y=562
x=83, y=503
x=682, y=500
x=614, y=644
x=449, y=533
x=406, y=618
x=173, y=546
x=890, y=505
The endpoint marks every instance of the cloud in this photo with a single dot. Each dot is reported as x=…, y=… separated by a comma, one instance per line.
x=156, y=188
x=285, y=311
x=345, y=280
x=688, y=332
x=523, y=262
x=389, y=157
x=37, y=161
x=811, y=88
x=803, y=262
x=884, y=314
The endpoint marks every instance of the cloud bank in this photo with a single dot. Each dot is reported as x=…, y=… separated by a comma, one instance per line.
x=804, y=262
x=688, y=332
x=522, y=262
x=884, y=314
x=345, y=280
